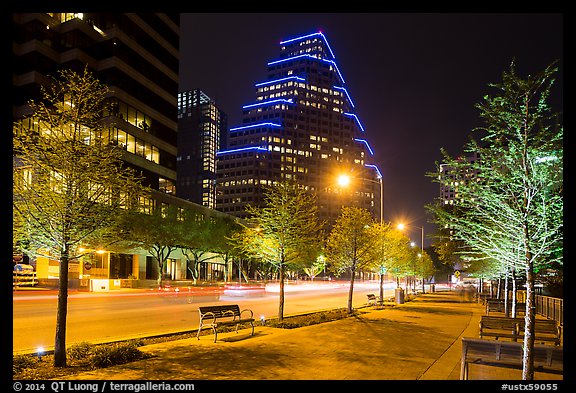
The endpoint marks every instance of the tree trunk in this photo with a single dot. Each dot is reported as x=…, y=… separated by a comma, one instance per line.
x=351, y=290
x=160, y=273
x=506, y=295
x=529, y=322
x=281, y=301
x=514, y=290
x=61, y=313
x=381, y=288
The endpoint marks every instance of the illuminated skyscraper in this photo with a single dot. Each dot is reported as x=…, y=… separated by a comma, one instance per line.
x=302, y=126
x=202, y=130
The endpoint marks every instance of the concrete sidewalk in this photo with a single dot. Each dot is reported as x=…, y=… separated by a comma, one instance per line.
x=417, y=340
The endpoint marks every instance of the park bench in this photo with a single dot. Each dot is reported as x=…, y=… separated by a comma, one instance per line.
x=545, y=330
x=373, y=300
x=223, y=315
x=508, y=354
x=497, y=305
x=483, y=297
x=500, y=327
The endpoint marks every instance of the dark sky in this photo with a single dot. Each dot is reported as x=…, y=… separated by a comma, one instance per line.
x=414, y=78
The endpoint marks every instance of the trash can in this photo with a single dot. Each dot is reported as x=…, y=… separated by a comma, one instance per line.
x=399, y=293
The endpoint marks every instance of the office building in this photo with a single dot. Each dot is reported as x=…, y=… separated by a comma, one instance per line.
x=451, y=178
x=137, y=56
x=202, y=128
x=301, y=127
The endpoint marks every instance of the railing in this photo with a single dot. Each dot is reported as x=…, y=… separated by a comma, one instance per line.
x=551, y=308
x=548, y=307
x=24, y=279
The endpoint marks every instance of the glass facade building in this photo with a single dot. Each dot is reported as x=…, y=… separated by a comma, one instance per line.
x=301, y=127
x=202, y=128
x=136, y=55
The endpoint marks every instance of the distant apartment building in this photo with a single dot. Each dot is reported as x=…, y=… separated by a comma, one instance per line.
x=202, y=129
x=302, y=127
x=452, y=178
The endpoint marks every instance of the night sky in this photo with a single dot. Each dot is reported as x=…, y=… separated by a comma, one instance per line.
x=414, y=78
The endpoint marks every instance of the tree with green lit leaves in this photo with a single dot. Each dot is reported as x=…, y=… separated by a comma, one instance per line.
x=350, y=245
x=70, y=186
x=511, y=209
x=389, y=251
x=284, y=233
x=424, y=268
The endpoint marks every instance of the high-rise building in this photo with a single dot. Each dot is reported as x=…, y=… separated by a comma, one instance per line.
x=202, y=128
x=451, y=178
x=302, y=127
x=136, y=55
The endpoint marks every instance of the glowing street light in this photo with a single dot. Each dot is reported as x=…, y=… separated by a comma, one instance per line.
x=402, y=226
x=344, y=181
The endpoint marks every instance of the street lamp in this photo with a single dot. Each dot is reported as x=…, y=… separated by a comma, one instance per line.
x=402, y=226
x=344, y=181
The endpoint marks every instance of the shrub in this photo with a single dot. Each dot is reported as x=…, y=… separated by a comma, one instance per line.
x=22, y=362
x=80, y=353
x=113, y=354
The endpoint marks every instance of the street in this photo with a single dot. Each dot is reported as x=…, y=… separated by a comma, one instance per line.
x=99, y=317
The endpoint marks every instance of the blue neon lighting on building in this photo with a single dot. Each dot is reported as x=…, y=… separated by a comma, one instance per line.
x=310, y=57
x=255, y=125
x=311, y=35
x=376, y=168
x=291, y=58
x=280, y=80
x=347, y=95
x=366, y=143
x=279, y=100
x=356, y=118
x=327, y=44
x=243, y=149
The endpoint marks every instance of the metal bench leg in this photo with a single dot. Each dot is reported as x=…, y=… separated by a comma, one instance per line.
x=215, y=334
x=199, y=330
x=464, y=371
x=252, y=323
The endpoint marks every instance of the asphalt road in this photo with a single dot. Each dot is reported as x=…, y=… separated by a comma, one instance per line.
x=99, y=317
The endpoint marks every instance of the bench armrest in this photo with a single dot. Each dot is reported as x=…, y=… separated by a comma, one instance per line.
x=247, y=310
x=208, y=315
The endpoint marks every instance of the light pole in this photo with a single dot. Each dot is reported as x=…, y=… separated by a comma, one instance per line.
x=401, y=227
x=344, y=181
